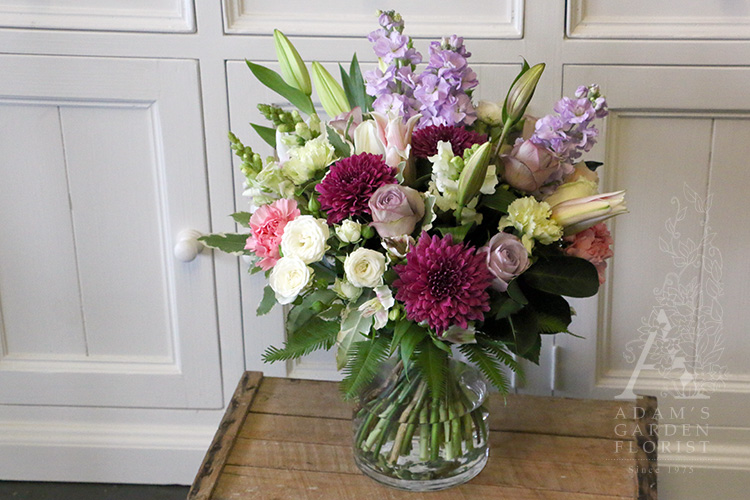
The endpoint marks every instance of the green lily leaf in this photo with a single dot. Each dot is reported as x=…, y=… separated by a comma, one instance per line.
x=275, y=82
x=268, y=134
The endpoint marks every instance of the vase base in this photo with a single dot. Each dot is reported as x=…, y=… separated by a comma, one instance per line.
x=434, y=484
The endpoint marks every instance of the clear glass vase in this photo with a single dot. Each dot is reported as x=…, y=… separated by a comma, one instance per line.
x=407, y=439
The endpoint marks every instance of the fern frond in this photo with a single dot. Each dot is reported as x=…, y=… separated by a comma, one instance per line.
x=433, y=363
x=488, y=364
x=316, y=334
x=365, y=358
x=501, y=352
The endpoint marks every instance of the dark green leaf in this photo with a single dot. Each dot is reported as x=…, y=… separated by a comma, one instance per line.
x=525, y=330
x=267, y=303
x=364, y=361
x=503, y=306
x=339, y=145
x=433, y=363
x=499, y=200
x=458, y=233
x=242, y=218
x=593, y=165
x=229, y=242
x=268, y=134
x=347, y=84
x=515, y=293
x=569, y=276
x=359, y=92
x=275, y=82
x=552, y=311
x=317, y=334
x=441, y=345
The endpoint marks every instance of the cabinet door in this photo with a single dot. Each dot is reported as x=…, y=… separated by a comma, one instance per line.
x=103, y=165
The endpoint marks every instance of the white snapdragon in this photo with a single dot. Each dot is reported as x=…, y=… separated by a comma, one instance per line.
x=288, y=278
x=365, y=267
x=305, y=237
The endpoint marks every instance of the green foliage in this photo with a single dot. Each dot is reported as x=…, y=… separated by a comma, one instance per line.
x=458, y=233
x=268, y=301
x=499, y=201
x=488, y=364
x=301, y=313
x=409, y=341
x=353, y=327
x=433, y=363
x=266, y=133
x=563, y=275
x=242, y=218
x=354, y=86
x=275, y=82
x=363, y=364
x=226, y=242
x=316, y=334
x=341, y=148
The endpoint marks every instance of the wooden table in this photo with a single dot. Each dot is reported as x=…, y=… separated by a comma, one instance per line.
x=291, y=439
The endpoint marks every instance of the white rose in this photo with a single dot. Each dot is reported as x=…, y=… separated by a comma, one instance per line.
x=365, y=267
x=288, y=278
x=349, y=231
x=305, y=237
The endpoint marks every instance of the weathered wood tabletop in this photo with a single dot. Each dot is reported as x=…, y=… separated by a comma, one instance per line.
x=291, y=439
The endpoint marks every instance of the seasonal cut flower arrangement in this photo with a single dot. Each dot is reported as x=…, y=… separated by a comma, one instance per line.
x=415, y=220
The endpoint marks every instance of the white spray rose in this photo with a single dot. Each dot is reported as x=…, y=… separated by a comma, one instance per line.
x=365, y=267
x=349, y=231
x=288, y=278
x=305, y=237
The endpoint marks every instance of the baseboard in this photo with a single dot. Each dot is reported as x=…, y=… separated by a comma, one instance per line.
x=112, y=453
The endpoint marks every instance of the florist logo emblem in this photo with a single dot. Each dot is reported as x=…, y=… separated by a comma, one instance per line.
x=682, y=336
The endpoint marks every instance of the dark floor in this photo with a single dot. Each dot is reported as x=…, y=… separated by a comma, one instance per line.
x=12, y=490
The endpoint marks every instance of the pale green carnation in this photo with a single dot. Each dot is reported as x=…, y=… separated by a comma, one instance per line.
x=531, y=218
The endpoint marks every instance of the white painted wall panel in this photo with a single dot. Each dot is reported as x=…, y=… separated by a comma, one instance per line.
x=117, y=203
x=665, y=19
x=130, y=175
x=39, y=292
x=107, y=15
x=485, y=19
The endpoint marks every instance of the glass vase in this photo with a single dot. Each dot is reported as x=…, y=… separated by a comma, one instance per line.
x=408, y=439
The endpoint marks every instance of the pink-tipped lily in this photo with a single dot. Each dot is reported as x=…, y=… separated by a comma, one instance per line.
x=582, y=213
x=395, y=135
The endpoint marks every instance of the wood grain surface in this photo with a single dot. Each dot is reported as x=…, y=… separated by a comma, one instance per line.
x=291, y=439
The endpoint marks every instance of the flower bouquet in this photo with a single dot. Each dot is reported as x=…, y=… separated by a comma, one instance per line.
x=414, y=225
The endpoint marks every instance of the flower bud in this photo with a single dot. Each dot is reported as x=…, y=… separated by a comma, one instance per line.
x=489, y=113
x=473, y=175
x=582, y=213
x=349, y=231
x=293, y=69
x=521, y=92
x=332, y=96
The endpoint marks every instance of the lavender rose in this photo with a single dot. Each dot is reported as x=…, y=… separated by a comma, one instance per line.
x=529, y=166
x=395, y=210
x=506, y=259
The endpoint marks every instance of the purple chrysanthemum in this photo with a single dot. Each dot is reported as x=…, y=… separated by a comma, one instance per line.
x=345, y=191
x=424, y=141
x=443, y=283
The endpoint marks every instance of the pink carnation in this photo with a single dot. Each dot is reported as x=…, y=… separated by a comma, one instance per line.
x=267, y=225
x=592, y=244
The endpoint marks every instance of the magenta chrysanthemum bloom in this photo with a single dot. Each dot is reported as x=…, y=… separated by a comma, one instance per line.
x=443, y=283
x=424, y=141
x=346, y=189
